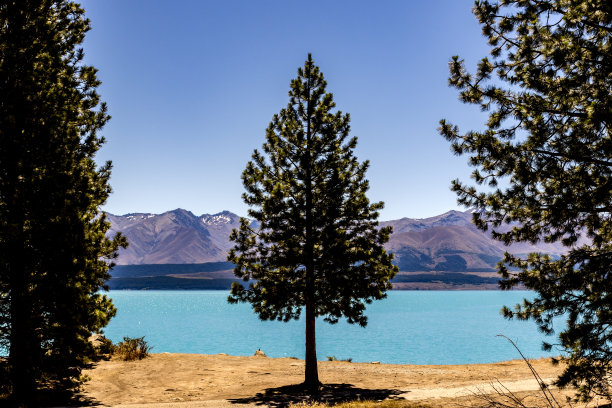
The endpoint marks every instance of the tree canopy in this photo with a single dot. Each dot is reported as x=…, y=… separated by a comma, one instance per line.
x=544, y=166
x=315, y=243
x=54, y=254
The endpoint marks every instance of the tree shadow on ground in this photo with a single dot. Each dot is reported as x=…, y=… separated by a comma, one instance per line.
x=54, y=395
x=65, y=398
x=82, y=401
x=281, y=397
x=55, y=400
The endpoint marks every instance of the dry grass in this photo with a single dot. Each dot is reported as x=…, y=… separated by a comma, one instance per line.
x=364, y=404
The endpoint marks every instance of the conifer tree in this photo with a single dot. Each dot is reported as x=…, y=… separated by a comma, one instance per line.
x=318, y=245
x=546, y=157
x=54, y=254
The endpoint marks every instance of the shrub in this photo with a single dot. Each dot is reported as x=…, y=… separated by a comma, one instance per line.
x=502, y=397
x=103, y=346
x=132, y=349
x=334, y=358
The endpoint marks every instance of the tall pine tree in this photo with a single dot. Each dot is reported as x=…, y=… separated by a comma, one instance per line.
x=53, y=249
x=318, y=245
x=548, y=142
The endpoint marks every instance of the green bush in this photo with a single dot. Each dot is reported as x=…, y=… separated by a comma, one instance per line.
x=333, y=358
x=132, y=349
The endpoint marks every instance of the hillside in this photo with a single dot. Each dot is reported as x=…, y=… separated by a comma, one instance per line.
x=174, y=237
x=447, y=242
x=179, y=250
x=450, y=242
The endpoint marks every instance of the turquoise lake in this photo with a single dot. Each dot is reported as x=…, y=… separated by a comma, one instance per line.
x=409, y=327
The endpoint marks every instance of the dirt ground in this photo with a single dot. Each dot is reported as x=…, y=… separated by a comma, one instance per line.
x=190, y=380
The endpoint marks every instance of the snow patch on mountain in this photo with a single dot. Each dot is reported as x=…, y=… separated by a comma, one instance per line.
x=138, y=216
x=217, y=219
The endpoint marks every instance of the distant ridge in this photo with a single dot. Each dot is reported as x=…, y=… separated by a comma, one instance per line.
x=448, y=242
x=174, y=237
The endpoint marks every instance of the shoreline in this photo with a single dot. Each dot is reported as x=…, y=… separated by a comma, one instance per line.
x=433, y=288
x=352, y=361
x=218, y=276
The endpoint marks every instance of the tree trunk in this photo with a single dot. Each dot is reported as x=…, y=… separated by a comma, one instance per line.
x=21, y=354
x=311, y=380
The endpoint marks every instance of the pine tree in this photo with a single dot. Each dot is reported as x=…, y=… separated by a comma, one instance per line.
x=545, y=159
x=317, y=246
x=54, y=255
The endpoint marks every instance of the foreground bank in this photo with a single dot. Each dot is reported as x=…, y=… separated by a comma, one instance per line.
x=222, y=380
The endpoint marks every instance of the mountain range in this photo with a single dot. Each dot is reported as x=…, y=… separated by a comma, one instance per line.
x=445, y=243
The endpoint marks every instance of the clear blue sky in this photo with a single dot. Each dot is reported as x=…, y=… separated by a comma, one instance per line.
x=192, y=85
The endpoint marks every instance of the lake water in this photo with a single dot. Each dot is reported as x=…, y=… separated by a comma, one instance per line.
x=409, y=327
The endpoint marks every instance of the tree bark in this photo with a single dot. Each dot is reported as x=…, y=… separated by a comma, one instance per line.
x=311, y=380
x=21, y=353
x=22, y=335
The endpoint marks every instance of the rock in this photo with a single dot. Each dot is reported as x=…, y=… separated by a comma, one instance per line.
x=95, y=340
x=260, y=353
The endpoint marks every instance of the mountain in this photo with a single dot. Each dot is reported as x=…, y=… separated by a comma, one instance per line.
x=447, y=242
x=450, y=242
x=174, y=237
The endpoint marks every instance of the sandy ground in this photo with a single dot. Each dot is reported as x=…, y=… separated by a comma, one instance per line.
x=191, y=380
